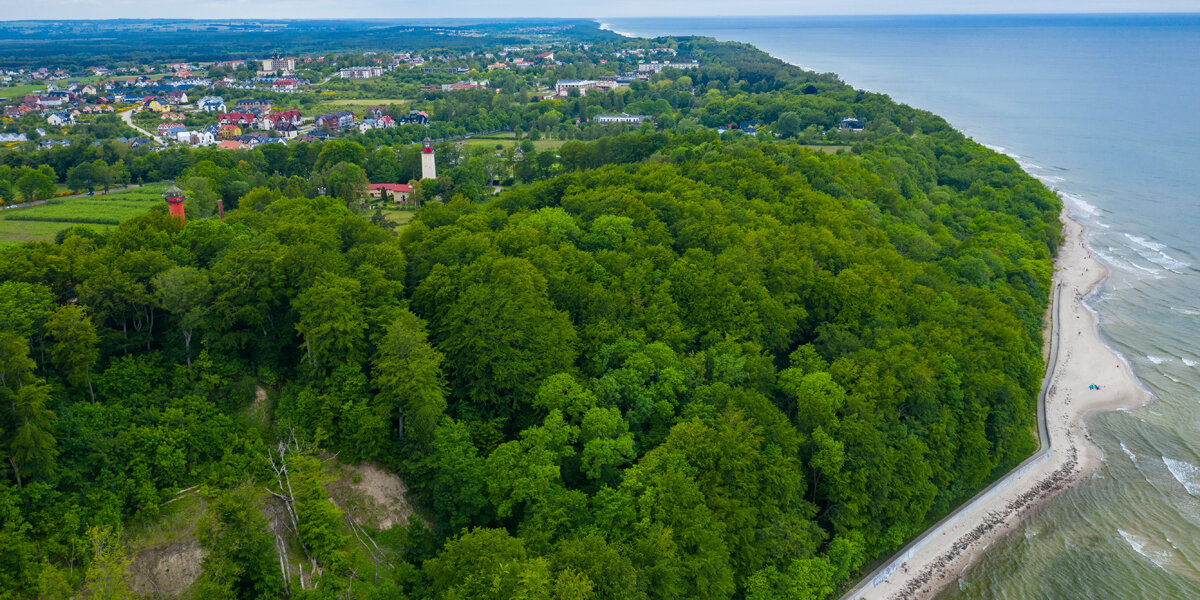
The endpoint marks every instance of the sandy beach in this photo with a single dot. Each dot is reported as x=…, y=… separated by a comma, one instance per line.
x=1082, y=359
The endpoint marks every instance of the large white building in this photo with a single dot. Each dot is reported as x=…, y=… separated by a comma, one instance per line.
x=621, y=118
x=360, y=72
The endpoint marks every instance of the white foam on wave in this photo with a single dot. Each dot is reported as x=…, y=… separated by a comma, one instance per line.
x=1141, y=545
x=1187, y=361
x=1153, y=251
x=1187, y=474
x=1186, y=311
x=1168, y=375
x=1158, y=360
x=1078, y=203
x=1128, y=452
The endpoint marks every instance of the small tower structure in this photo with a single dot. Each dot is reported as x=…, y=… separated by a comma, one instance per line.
x=174, y=197
x=428, y=164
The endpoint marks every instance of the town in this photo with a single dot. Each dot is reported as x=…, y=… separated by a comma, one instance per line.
x=494, y=105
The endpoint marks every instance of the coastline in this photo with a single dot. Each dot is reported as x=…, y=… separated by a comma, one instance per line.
x=1083, y=359
x=939, y=556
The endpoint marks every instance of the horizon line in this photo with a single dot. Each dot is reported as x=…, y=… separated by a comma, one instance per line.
x=599, y=18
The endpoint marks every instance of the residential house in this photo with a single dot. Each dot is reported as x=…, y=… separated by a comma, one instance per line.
x=170, y=129
x=211, y=104
x=233, y=145
x=375, y=112
x=285, y=85
x=254, y=105
x=195, y=138
x=59, y=119
x=16, y=112
x=44, y=101
x=9, y=138
x=286, y=130
x=385, y=122
x=177, y=97
x=229, y=131
x=273, y=120
x=416, y=117
x=851, y=124
x=336, y=121
x=398, y=192
x=237, y=118
x=48, y=144
x=88, y=90
x=157, y=104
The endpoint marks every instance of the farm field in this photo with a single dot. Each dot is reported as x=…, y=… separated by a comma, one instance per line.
x=101, y=212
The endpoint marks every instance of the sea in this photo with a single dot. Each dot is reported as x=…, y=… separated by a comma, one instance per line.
x=1104, y=109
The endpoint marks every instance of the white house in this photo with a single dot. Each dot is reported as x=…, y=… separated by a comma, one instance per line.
x=211, y=104
x=196, y=138
x=59, y=119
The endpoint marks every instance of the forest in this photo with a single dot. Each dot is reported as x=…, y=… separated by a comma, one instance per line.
x=659, y=365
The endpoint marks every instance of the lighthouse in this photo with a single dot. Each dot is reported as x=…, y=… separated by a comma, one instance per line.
x=428, y=164
x=174, y=197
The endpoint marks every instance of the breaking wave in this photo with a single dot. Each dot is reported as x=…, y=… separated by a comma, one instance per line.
x=1187, y=474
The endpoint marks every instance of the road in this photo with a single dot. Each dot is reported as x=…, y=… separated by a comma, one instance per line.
x=127, y=116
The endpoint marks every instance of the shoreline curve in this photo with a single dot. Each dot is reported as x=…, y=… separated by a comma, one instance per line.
x=939, y=556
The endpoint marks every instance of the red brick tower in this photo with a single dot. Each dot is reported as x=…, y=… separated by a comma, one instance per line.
x=174, y=197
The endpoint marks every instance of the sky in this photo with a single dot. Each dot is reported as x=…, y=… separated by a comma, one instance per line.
x=305, y=9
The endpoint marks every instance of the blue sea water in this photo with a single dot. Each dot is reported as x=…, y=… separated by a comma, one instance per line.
x=1106, y=110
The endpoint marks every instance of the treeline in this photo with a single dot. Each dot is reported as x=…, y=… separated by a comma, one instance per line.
x=674, y=366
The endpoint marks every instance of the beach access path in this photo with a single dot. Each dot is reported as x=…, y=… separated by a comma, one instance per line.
x=1078, y=358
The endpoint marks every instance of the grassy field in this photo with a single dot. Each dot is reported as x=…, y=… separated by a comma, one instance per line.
x=508, y=140
x=101, y=212
x=330, y=104
x=20, y=91
x=399, y=216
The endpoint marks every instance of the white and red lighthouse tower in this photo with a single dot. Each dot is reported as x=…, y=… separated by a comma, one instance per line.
x=428, y=164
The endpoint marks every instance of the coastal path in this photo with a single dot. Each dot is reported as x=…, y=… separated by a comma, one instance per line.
x=1077, y=357
x=935, y=535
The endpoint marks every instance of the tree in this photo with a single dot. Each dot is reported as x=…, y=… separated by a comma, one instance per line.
x=72, y=348
x=331, y=320
x=201, y=199
x=83, y=177
x=408, y=373
x=239, y=553
x=33, y=447
x=107, y=576
x=789, y=124
x=35, y=185
x=503, y=335
x=184, y=292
